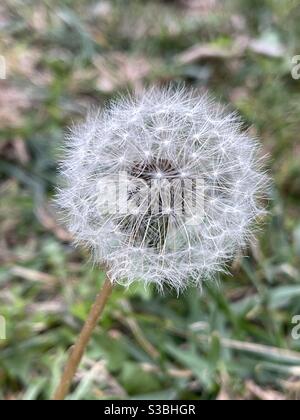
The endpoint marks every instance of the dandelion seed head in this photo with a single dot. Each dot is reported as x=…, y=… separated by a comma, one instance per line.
x=162, y=138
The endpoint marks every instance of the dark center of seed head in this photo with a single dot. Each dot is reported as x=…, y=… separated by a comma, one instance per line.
x=150, y=229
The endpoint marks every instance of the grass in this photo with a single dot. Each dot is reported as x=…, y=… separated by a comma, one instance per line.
x=235, y=339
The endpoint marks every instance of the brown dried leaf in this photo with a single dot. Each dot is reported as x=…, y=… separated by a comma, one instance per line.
x=118, y=69
x=15, y=150
x=48, y=219
x=203, y=6
x=25, y=63
x=209, y=51
x=264, y=394
x=13, y=103
x=33, y=275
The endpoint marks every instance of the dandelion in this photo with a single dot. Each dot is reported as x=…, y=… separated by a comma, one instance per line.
x=163, y=188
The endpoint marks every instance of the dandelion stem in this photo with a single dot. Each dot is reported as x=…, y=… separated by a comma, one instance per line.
x=82, y=341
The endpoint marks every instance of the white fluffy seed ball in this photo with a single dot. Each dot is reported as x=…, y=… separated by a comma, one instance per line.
x=193, y=186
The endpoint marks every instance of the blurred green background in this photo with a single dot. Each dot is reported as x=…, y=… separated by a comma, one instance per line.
x=233, y=340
